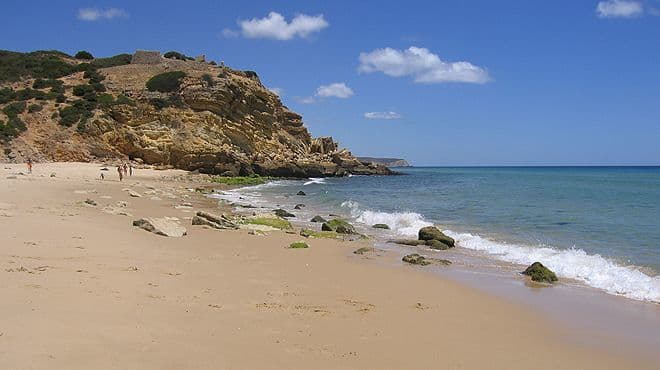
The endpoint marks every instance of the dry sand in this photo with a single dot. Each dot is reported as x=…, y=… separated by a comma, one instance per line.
x=81, y=288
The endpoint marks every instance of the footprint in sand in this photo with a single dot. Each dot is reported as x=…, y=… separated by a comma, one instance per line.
x=215, y=306
x=361, y=306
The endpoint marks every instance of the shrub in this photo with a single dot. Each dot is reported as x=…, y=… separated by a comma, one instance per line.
x=41, y=83
x=250, y=74
x=81, y=110
x=82, y=90
x=60, y=98
x=82, y=54
x=27, y=94
x=6, y=95
x=117, y=60
x=172, y=101
x=166, y=82
x=93, y=75
x=123, y=99
x=38, y=64
x=98, y=87
x=208, y=79
x=34, y=108
x=105, y=100
x=175, y=55
x=11, y=129
x=15, y=108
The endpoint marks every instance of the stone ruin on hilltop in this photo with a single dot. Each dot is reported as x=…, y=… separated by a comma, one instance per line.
x=146, y=57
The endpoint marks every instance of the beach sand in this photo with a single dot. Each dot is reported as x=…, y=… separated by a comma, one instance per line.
x=82, y=288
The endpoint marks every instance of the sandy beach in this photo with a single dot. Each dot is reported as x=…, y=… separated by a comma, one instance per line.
x=82, y=288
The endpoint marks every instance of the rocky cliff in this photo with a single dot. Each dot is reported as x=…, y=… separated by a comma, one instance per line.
x=387, y=162
x=187, y=114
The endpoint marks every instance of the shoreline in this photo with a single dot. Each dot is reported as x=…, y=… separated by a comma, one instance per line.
x=95, y=291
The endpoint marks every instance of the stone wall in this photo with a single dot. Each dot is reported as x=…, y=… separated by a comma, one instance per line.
x=146, y=57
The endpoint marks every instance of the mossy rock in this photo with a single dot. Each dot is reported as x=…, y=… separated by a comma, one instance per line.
x=416, y=259
x=307, y=233
x=381, y=226
x=433, y=233
x=363, y=250
x=540, y=273
x=318, y=219
x=283, y=213
x=410, y=242
x=298, y=245
x=437, y=245
x=277, y=223
x=338, y=225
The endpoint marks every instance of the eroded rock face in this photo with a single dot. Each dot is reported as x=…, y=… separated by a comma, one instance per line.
x=161, y=226
x=226, y=123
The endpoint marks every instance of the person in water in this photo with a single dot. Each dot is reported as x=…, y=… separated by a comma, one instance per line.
x=121, y=173
x=29, y=165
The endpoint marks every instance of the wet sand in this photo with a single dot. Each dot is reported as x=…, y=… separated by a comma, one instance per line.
x=82, y=288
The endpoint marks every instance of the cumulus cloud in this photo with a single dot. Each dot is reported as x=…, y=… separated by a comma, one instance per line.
x=619, y=9
x=422, y=65
x=95, y=14
x=275, y=26
x=276, y=90
x=334, y=90
x=382, y=115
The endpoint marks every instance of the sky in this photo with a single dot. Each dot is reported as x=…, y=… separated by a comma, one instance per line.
x=519, y=82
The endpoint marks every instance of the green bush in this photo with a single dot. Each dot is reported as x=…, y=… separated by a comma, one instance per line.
x=82, y=90
x=60, y=98
x=175, y=55
x=123, y=99
x=38, y=64
x=172, y=101
x=117, y=60
x=11, y=129
x=7, y=94
x=15, y=108
x=34, y=108
x=208, y=79
x=94, y=76
x=82, y=54
x=41, y=83
x=81, y=110
x=166, y=82
x=105, y=100
x=27, y=94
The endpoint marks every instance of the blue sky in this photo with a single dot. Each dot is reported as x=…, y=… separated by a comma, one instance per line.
x=542, y=83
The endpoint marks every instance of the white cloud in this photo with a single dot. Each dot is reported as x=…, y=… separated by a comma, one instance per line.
x=229, y=33
x=382, y=115
x=274, y=26
x=95, y=14
x=334, y=90
x=276, y=90
x=422, y=65
x=306, y=100
x=619, y=9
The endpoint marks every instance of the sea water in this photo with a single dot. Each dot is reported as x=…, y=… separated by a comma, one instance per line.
x=597, y=225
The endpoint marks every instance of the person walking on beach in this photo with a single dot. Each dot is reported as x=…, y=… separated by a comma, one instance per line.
x=125, y=169
x=130, y=169
x=121, y=173
x=29, y=165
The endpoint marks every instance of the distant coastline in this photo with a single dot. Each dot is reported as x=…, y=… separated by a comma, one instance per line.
x=387, y=162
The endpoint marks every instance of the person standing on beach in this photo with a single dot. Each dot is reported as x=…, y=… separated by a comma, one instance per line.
x=29, y=165
x=125, y=169
x=121, y=173
x=130, y=169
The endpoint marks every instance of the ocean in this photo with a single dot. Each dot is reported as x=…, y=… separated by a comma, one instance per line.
x=599, y=226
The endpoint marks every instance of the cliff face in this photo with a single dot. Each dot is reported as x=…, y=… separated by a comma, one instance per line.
x=217, y=120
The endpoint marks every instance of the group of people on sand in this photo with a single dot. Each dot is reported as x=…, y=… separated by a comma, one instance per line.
x=124, y=170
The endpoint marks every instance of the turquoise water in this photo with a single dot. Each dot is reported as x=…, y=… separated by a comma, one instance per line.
x=599, y=225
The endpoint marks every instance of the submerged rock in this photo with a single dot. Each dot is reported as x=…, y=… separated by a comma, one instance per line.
x=381, y=226
x=318, y=219
x=299, y=206
x=283, y=213
x=417, y=259
x=161, y=226
x=338, y=225
x=301, y=193
x=540, y=273
x=433, y=233
x=437, y=245
x=363, y=250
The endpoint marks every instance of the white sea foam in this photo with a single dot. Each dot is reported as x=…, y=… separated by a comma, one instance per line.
x=591, y=269
x=315, y=180
x=402, y=223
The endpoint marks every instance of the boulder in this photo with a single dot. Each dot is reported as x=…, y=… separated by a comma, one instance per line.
x=318, y=219
x=381, y=226
x=161, y=226
x=299, y=206
x=221, y=222
x=91, y=202
x=437, y=245
x=301, y=193
x=283, y=213
x=338, y=225
x=410, y=242
x=433, y=233
x=416, y=259
x=540, y=273
x=363, y=250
